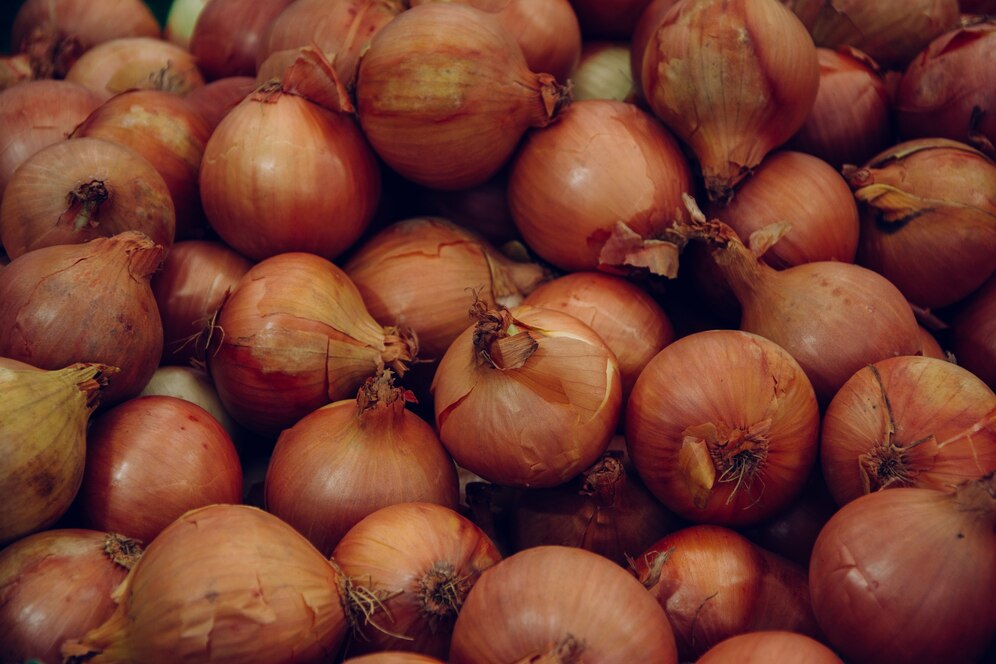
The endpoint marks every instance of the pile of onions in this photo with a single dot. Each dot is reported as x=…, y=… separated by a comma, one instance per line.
x=100, y=292
x=560, y=604
x=214, y=100
x=526, y=396
x=908, y=421
x=973, y=333
x=352, y=457
x=293, y=336
x=57, y=585
x=76, y=190
x=600, y=188
x=325, y=193
x=714, y=584
x=643, y=31
x=444, y=95
x=142, y=63
x=769, y=646
x=424, y=273
x=193, y=385
x=909, y=575
x=722, y=426
x=733, y=79
x=223, y=583
x=43, y=420
x=928, y=219
x=411, y=566
x=228, y=35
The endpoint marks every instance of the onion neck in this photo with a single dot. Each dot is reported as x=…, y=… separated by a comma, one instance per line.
x=554, y=98
x=122, y=551
x=713, y=453
x=143, y=255
x=400, y=349
x=441, y=593
x=379, y=397
x=83, y=205
x=501, y=341
x=605, y=481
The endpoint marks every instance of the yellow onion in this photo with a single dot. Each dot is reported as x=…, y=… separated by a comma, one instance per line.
x=223, y=583
x=732, y=78
x=43, y=420
x=142, y=63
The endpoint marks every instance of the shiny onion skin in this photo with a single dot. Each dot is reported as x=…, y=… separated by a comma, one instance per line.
x=214, y=100
x=769, y=646
x=423, y=272
x=714, y=583
x=600, y=189
x=288, y=168
x=909, y=575
x=100, y=291
x=57, y=585
x=444, y=95
x=350, y=458
x=973, y=333
x=193, y=385
x=228, y=35
x=223, y=583
x=293, y=336
x=733, y=79
x=141, y=63
x=628, y=319
x=76, y=190
x=560, y=604
x=908, y=421
x=526, y=396
x=722, y=426
x=420, y=560
x=149, y=460
x=928, y=218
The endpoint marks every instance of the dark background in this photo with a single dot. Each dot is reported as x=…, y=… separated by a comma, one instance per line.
x=8, y=10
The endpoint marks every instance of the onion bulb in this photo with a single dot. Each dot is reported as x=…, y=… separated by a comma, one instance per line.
x=142, y=63
x=769, y=646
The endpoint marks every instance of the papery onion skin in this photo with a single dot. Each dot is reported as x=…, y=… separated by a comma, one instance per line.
x=908, y=421
x=223, y=583
x=908, y=575
x=214, y=100
x=769, y=646
x=57, y=585
x=136, y=63
x=229, y=34
x=549, y=596
x=424, y=559
x=973, y=333
x=722, y=426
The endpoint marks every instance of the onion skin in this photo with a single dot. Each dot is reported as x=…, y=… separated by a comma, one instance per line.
x=223, y=583
x=973, y=333
x=57, y=585
x=769, y=646
x=882, y=595
x=534, y=601
x=214, y=100
x=229, y=34
x=136, y=63
x=908, y=421
x=193, y=385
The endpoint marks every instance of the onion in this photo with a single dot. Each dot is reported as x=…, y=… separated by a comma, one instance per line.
x=76, y=190
x=851, y=119
x=444, y=95
x=603, y=72
x=714, y=584
x=191, y=286
x=624, y=315
x=418, y=561
x=722, y=426
x=288, y=169
x=769, y=646
x=36, y=114
x=223, y=583
x=732, y=79
x=832, y=317
x=929, y=218
x=973, y=333
x=100, y=293
x=180, y=21
x=526, y=396
x=643, y=31
x=170, y=135
x=560, y=604
x=908, y=575
x=214, y=100
x=452, y=265
x=228, y=35
x=608, y=20
x=43, y=419
x=293, y=336
x=393, y=657
x=616, y=176
x=57, y=585
x=908, y=421
x=136, y=63
x=193, y=385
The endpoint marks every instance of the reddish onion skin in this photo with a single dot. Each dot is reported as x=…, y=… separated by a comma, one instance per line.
x=229, y=34
x=909, y=575
x=136, y=63
x=57, y=585
x=214, y=100
x=973, y=333
x=908, y=421
x=554, y=600
x=608, y=20
x=769, y=646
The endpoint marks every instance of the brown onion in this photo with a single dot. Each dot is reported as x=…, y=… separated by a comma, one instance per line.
x=228, y=35
x=214, y=100
x=928, y=219
x=76, y=190
x=733, y=79
x=57, y=585
x=714, y=584
x=136, y=62
x=608, y=20
x=444, y=95
x=419, y=560
x=99, y=291
x=909, y=575
x=223, y=583
x=973, y=333
x=560, y=604
x=908, y=421
x=526, y=396
x=769, y=646
x=600, y=189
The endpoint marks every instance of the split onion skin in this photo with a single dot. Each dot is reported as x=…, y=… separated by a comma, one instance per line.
x=769, y=646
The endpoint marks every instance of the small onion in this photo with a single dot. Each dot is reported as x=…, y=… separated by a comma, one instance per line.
x=136, y=62
x=973, y=333
x=769, y=646
x=228, y=35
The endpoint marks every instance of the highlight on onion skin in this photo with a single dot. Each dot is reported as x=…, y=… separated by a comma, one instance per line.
x=769, y=646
